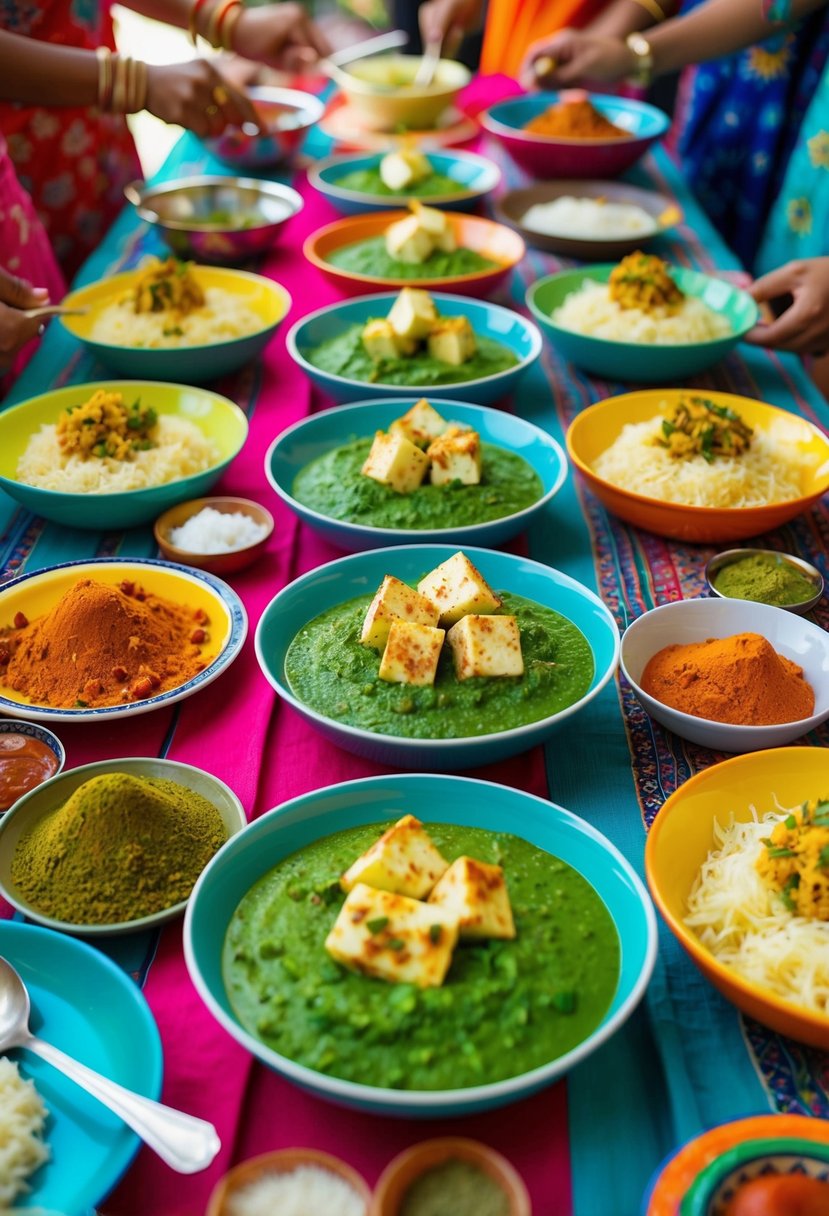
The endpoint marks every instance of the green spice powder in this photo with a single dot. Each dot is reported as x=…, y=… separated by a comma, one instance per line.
x=120, y=848
x=455, y=1188
x=765, y=580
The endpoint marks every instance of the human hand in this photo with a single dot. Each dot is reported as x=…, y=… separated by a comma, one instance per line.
x=281, y=35
x=15, y=328
x=196, y=96
x=446, y=21
x=804, y=326
x=576, y=56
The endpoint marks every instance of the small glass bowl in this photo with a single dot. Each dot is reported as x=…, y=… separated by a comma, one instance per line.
x=729, y=556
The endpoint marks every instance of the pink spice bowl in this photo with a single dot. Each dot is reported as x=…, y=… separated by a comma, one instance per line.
x=408, y=1166
x=282, y=1161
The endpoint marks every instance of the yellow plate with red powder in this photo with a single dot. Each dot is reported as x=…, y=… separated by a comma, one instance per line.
x=36, y=593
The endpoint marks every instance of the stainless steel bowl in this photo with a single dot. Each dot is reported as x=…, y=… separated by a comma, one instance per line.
x=195, y=215
x=285, y=117
x=729, y=556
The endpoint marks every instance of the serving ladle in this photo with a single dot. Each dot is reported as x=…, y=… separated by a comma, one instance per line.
x=185, y=1143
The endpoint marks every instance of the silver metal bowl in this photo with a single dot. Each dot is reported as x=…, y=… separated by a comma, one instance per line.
x=285, y=117
x=729, y=556
x=223, y=220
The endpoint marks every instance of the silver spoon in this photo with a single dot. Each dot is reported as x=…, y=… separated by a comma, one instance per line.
x=428, y=65
x=185, y=1143
x=53, y=310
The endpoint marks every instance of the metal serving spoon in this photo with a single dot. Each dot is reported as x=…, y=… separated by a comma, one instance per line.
x=428, y=65
x=53, y=310
x=185, y=1143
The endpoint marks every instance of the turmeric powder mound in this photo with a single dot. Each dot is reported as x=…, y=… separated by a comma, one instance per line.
x=102, y=645
x=740, y=679
x=575, y=119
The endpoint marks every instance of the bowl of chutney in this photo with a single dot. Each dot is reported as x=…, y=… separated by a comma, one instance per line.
x=765, y=576
x=259, y=915
x=29, y=755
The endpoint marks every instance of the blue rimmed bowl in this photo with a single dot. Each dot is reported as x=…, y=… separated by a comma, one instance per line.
x=361, y=574
x=488, y=320
x=31, y=730
x=638, y=362
x=477, y=175
x=548, y=156
x=457, y=800
x=320, y=433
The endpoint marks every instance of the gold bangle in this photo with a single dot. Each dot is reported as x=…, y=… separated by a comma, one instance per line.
x=104, y=56
x=217, y=19
x=118, y=74
x=653, y=8
x=142, y=79
x=229, y=26
x=192, y=20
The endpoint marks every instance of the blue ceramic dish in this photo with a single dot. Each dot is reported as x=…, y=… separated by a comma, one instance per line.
x=14, y=726
x=302, y=821
x=476, y=174
x=488, y=321
x=319, y=433
x=91, y=1009
x=361, y=574
x=638, y=362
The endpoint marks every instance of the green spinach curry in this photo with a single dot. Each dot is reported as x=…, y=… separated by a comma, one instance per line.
x=372, y=258
x=369, y=181
x=504, y=1008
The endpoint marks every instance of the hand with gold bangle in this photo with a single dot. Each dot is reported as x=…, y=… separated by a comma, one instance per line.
x=281, y=35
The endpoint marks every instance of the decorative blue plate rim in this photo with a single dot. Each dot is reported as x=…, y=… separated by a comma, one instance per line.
x=417, y=533
x=230, y=650
x=152, y=1060
x=490, y=171
x=440, y=745
x=339, y=1089
x=601, y=101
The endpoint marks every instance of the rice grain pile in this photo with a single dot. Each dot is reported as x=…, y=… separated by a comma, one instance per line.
x=223, y=318
x=303, y=1191
x=591, y=311
x=181, y=450
x=22, y=1118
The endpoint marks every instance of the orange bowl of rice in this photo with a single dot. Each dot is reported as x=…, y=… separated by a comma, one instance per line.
x=767, y=955
x=618, y=448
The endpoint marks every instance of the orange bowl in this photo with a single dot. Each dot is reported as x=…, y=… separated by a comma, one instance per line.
x=682, y=837
x=596, y=428
x=282, y=1161
x=491, y=240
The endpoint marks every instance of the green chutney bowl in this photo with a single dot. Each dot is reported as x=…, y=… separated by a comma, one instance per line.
x=219, y=419
x=46, y=798
x=636, y=362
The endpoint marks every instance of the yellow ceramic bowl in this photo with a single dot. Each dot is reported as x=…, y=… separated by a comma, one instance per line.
x=682, y=836
x=382, y=91
x=222, y=422
x=187, y=364
x=36, y=593
x=596, y=428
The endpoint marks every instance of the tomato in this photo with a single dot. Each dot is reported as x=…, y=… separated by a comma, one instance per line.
x=782, y=1195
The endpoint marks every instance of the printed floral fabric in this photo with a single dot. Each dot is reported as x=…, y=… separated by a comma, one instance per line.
x=740, y=122
x=73, y=162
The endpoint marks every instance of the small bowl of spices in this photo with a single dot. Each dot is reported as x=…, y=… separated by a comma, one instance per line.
x=115, y=846
x=29, y=755
x=221, y=535
x=765, y=576
x=451, y=1175
x=291, y=1180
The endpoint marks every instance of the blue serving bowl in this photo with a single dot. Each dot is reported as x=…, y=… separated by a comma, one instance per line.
x=458, y=800
x=361, y=574
x=488, y=321
x=319, y=433
x=476, y=174
x=637, y=362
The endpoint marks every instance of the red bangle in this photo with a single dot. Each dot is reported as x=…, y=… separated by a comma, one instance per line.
x=217, y=20
x=198, y=5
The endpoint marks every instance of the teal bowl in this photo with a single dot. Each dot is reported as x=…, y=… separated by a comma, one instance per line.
x=488, y=320
x=633, y=361
x=360, y=574
x=219, y=419
x=459, y=800
x=714, y=1188
x=319, y=433
x=476, y=175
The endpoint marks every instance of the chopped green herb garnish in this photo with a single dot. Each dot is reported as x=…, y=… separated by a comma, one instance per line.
x=823, y=858
x=395, y=943
x=791, y=884
x=790, y=821
x=435, y=932
x=781, y=851
x=377, y=925
x=564, y=1002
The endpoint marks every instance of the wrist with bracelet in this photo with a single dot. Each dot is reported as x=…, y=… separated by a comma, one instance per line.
x=218, y=22
x=122, y=82
x=641, y=49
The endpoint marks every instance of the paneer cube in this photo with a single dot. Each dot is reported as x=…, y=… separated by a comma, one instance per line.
x=404, y=860
x=395, y=601
x=381, y=342
x=395, y=462
x=438, y=225
x=413, y=314
x=455, y=456
x=457, y=589
x=401, y=169
x=486, y=646
x=392, y=937
x=476, y=893
x=412, y=653
x=421, y=424
x=407, y=241
x=452, y=340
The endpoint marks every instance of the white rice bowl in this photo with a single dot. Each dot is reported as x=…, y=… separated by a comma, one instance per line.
x=590, y=311
x=222, y=318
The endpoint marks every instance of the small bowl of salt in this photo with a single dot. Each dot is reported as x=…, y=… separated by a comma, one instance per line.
x=221, y=535
x=290, y=1181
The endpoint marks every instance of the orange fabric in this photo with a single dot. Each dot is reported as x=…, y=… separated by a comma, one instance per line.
x=512, y=27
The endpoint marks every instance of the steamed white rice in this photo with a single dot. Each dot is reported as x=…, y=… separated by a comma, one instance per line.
x=22, y=1120
x=182, y=450
x=590, y=311
x=222, y=318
